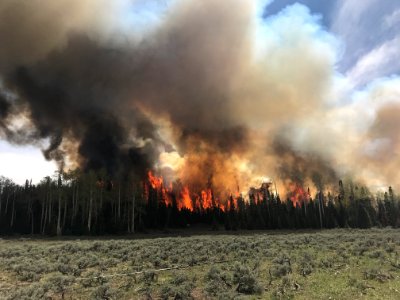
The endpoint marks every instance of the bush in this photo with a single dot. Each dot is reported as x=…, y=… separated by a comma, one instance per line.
x=353, y=282
x=149, y=277
x=218, y=281
x=306, y=264
x=282, y=266
x=104, y=292
x=245, y=280
x=327, y=262
x=65, y=269
x=285, y=289
x=58, y=284
x=377, y=254
x=390, y=247
x=33, y=291
x=179, y=287
x=87, y=261
x=374, y=274
x=93, y=279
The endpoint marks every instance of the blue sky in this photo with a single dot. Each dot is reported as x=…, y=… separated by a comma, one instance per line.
x=364, y=27
x=368, y=32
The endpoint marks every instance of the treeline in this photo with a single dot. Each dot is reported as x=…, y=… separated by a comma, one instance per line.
x=75, y=204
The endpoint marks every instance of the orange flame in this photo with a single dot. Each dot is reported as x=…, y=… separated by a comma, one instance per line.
x=298, y=195
x=155, y=182
x=206, y=199
x=186, y=201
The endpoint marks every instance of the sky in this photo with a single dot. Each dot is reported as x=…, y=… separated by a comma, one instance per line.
x=367, y=34
x=369, y=31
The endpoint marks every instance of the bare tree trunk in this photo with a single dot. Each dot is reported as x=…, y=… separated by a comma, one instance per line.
x=90, y=208
x=319, y=208
x=32, y=223
x=95, y=210
x=30, y=207
x=322, y=206
x=13, y=211
x=119, y=202
x=305, y=208
x=65, y=214
x=114, y=207
x=46, y=205
x=127, y=215
x=85, y=206
x=50, y=204
x=128, y=222
x=8, y=197
x=43, y=214
x=30, y=213
x=76, y=201
x=59, y=212
x=59, y=219
x=1, y=194
x=75, y=212
x=133, y=213
x=73, y=204
x=101, y=198
x=140, y=217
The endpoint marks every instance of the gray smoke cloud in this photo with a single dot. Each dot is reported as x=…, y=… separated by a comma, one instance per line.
x=210, y=90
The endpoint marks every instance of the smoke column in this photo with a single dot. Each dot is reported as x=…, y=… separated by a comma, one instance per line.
x=209, y=92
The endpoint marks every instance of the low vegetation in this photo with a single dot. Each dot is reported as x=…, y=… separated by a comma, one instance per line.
x=331, y=264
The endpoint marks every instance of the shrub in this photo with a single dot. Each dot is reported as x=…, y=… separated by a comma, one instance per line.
x=93, y=279
x=179, y=287
x=104, y=292
x=59, y=283
x=378, y=275
x=149, y=276
x=65, y=269
x=326, y=262
x=377, y=254
x=33, y=291
x=390, y=247
x=281, y=270
x=353, y=282
x=28, y=276
x=285, y=289
x=218, y=281
x=306, y=264
x=245, y=280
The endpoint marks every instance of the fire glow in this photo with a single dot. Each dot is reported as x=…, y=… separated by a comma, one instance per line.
x=298, y=195
x=183, y=198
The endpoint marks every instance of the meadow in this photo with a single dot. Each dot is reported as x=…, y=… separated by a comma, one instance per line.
x=328, y=264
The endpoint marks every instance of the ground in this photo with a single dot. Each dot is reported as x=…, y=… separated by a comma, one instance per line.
x=330, y=264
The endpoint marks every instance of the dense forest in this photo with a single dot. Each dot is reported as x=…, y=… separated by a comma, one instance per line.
x=77, y=203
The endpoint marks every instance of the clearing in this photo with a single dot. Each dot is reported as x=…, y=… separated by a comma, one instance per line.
x=329, y=264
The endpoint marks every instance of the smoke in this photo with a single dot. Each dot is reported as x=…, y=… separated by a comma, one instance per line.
x=209, y=92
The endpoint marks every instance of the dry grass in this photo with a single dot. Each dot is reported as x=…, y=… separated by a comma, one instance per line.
x=332, y=264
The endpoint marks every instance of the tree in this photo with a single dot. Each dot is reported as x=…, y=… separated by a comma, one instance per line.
x=59, y=190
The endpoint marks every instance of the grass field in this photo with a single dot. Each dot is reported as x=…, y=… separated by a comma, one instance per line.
x=332, y=264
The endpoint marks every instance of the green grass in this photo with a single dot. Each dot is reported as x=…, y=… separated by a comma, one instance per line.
x=331, y=264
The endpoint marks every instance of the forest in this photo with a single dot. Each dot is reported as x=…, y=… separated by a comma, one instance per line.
x=89, y=203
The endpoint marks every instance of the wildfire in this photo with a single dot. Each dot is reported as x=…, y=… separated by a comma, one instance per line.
x=232, y=203
x=298, y=194
x=204, y=200
x=155, y=182
x=186, y=201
